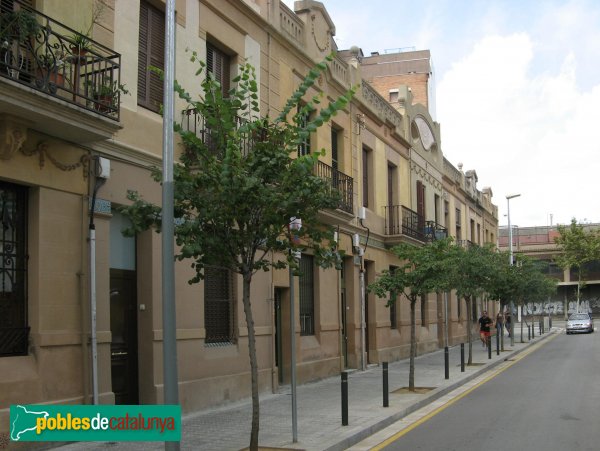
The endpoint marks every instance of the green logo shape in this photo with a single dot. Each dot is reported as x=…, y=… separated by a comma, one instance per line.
x=86, y=423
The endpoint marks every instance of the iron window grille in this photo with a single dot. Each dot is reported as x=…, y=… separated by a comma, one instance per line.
x=219, y=305
x=14, y=330
x=307, y=295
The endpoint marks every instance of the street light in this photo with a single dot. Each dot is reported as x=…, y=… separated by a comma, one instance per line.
x=294, y=226
x=510, y=256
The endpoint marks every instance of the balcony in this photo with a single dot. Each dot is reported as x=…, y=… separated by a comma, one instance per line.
x=402, y=221
x=193, y=121
x=340, y=182
x=50, y=74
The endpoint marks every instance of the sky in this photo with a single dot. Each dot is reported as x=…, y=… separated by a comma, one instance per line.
x=517, y=88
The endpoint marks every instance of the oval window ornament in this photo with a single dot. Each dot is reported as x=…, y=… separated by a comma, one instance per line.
x=427, y=138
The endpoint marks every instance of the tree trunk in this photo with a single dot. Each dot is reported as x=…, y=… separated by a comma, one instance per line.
x=578, y=289
x=413, y=345
x=253, y=363
x=469, y=327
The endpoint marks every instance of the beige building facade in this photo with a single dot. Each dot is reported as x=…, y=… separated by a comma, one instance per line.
x=78, y=129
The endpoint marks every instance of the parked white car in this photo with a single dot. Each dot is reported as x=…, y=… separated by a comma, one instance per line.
x=580, y=322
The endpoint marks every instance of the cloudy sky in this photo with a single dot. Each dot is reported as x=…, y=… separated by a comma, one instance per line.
x=517, y=92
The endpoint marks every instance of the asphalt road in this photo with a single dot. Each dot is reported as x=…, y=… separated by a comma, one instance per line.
x=549, y=400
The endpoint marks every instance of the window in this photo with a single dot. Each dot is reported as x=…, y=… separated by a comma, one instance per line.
x=447, y=215
x=473, y=238
x=151, y=52
x=458, y=225
x=14, y=330
x=334, y=150
x=303, y=118
x=219, y=305
x=365, y=176
x=217, y=65
x=307, y=295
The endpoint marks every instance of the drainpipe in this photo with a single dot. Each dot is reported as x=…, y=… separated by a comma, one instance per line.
x=101, y=174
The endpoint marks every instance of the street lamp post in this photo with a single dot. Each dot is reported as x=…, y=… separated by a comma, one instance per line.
x=510, y=256
x=295, y=225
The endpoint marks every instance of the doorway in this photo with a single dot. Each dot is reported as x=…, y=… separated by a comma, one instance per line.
x=123, y=326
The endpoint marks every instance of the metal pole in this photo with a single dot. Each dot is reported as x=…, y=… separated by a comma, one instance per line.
x=94, y=338
x=446, y=363
x=171, y=393
x=363, y=357
x=293, y=359
x=344, y=398
x=498, y=333
x=489, y=346
x=510, y=252
x=462, y=357
x=386, y=386
x=446, y=319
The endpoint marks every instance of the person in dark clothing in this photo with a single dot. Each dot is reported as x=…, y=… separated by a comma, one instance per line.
x=508, y=324
x=484, y=328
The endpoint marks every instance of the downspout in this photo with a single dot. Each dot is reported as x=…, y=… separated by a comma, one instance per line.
x=92, y=243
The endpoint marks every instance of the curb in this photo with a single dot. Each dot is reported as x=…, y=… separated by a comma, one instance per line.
x=436, y=394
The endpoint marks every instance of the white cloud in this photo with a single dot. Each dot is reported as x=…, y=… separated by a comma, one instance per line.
x=523, y=132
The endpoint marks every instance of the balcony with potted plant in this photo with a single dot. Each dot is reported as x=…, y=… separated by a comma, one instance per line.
x=45, y=68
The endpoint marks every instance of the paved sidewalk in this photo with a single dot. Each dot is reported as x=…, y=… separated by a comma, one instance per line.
x=319, y=405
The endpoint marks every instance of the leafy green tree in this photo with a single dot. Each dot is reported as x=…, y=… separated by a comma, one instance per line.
x=502, y=283
x=472, y=271
x=423, y=270
x=238, y=186
x=578, y=247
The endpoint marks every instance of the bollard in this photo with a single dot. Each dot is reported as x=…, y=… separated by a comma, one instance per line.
x=528, y=333
x=344, y=398
x=462, y=357
x=550, y=322
x=386, y=389
x=489, y=346
x=446, y=363
x=541, y=327
x=532, y=329
x=498, y=342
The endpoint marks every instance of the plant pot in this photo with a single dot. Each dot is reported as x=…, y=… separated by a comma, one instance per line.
x=103, y=103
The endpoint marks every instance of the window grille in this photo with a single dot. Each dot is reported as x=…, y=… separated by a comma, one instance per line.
x=307, y=295
x=14, y=330
x=218, y=305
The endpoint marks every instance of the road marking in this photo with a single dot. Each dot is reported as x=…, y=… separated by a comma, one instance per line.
x=481, y=380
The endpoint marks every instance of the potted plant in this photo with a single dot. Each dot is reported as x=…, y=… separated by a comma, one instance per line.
x=80, y=45
x=20, y=25
x=107, y=94
x=51, y=70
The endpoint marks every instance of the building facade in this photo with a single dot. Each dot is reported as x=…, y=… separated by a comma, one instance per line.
x=538, y=243
x=80, y=125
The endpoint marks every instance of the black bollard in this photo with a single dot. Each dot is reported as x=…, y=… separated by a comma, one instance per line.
x=446, y=363
x=498, y=341
x=462, y=357
x=344, y=398
x=489, y=346
x=532, y=329
x=550, y=322
x=386, y=389
x=528, y=333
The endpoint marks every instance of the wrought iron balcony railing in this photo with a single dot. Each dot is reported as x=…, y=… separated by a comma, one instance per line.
x=194, y=122
x=342, y=183
x=43, y=54
x=400, y=220
x=434, y=231
x=14, y=341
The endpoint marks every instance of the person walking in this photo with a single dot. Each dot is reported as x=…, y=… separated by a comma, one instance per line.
x=499, y=323
x=484, y=328
x=508, y=324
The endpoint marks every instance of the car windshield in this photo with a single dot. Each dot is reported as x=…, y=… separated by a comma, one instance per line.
x=579, y=316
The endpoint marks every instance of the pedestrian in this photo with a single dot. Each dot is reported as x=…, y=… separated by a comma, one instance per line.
x=508, y=324
x=484, y=328
x=499, y=323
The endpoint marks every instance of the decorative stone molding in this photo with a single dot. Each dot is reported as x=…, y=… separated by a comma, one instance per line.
x=13, y=135
x=43, y=152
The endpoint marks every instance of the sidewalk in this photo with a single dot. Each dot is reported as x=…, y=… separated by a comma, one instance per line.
x=319, y=405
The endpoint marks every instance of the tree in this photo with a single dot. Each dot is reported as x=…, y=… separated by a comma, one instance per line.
x=239, y=185
x=502, y=283
x=472, y=270
x=578, y=248
x=423, y=270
